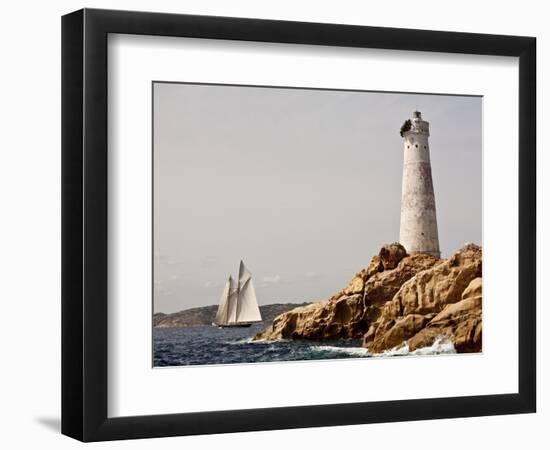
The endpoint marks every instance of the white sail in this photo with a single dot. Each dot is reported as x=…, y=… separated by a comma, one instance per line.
x=247, y=305
x=223, y=308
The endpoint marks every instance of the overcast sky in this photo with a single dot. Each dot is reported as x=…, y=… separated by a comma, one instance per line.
x=303, y=185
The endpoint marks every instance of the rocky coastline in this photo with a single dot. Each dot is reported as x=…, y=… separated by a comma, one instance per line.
x=399, y=299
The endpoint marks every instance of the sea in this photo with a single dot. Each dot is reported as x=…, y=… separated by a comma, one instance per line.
x=200, y=345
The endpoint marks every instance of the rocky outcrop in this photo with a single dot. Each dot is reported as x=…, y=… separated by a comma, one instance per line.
x=399, y=298
x=443, y=301
x=349, y=313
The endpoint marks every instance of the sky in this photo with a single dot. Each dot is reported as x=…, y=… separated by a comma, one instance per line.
x=303, y=185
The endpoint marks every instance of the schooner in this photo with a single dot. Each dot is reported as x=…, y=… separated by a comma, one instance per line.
x=238, y=304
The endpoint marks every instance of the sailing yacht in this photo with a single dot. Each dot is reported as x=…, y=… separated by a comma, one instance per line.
x=238, y=304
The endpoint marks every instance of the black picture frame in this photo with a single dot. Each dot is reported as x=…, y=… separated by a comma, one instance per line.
x=84, y=224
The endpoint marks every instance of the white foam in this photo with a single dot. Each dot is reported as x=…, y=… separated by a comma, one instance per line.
x=441, y=346
x=253, y=340
x=353, y=351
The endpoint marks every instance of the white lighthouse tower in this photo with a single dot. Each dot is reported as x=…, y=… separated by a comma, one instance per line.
x=418, y=229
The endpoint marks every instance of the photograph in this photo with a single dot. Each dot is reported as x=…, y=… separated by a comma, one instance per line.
x=294, y=224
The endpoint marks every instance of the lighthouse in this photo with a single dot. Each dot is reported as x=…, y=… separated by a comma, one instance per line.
x=418, y=227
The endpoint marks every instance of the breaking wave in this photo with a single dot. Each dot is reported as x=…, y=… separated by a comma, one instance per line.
x=441, y=346
x=351, y=351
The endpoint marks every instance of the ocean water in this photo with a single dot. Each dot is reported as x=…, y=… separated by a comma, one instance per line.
x=213, y=345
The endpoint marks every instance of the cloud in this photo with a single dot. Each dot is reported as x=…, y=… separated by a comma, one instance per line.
x=312, y=275
x=271, y=280
x=162, y=291
x=211, y=284
x=209, y=260
x=173, y=262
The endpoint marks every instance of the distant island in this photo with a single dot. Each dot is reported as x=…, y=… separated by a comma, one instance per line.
x=204, y=315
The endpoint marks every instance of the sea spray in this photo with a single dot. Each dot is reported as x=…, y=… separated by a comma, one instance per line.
x=357, y=352
x=441, y=346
